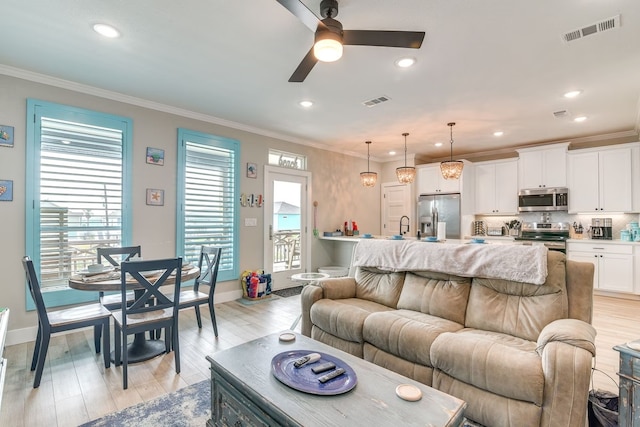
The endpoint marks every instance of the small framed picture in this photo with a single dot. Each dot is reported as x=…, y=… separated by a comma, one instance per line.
x=155, y=156
x=6, y=190
x=155, y=197
x=252, y=170
x=6, y=136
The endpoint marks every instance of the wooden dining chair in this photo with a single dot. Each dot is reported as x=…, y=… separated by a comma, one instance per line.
x=115, y=256
x=51, y=322
x=210, y=260
x=140, y=317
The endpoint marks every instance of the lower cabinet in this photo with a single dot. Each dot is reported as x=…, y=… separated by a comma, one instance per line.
x=613, y=263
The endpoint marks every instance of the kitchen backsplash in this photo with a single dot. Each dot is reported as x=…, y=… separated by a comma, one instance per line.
x=619, y=221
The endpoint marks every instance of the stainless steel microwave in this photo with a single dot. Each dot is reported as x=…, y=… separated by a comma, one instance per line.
x=543, y=199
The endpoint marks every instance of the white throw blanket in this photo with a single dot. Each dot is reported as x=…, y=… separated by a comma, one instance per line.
x=519, y=263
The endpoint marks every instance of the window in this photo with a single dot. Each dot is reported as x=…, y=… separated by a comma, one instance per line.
x=208, y=168
x=78, y=173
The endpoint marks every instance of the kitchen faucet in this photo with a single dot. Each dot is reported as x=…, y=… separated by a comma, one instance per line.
x=403, y=217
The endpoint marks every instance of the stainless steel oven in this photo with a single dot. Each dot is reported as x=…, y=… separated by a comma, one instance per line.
x=553, y=235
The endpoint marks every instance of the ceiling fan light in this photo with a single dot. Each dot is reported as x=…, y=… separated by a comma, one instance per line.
x=328, y=46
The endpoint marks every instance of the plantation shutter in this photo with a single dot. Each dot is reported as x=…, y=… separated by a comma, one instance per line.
x=81, y=196
x=210, y=202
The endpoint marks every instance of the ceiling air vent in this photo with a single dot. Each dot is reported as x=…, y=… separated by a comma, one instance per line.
x=376, y=101
x=560, y=114
x=604, y=25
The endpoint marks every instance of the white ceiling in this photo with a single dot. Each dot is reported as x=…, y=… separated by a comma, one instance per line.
x=487, y=65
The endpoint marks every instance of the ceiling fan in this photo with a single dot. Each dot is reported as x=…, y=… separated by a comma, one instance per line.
x=330, y=37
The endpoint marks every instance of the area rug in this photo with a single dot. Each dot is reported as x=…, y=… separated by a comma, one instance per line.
x=187, y=407
x=288, y=292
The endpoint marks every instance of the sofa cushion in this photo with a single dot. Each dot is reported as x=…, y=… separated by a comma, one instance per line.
x=495, y=362
x=344, y=318
x=406, y=333
x=379, y=286
x=519, y=309
x=437, y=294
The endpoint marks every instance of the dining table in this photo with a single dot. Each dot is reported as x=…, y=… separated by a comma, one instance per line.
x=141, y=348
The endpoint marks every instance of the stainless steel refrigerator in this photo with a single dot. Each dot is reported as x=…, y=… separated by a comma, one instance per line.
x=439, y=208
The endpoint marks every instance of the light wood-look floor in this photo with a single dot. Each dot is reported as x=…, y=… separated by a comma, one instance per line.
x=76, y=388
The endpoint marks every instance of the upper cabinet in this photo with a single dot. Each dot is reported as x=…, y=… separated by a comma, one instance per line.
x=544, y=166
x=600, y=180
x=430, y=181
x=497, y=187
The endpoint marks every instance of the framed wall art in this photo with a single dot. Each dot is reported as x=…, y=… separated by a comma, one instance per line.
x=155, y=197
x=155, y=156
x=252, y=170
x=6, y=136
x=6, y=190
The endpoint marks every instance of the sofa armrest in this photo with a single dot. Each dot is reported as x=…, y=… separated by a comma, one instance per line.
x=332, y=288
x=569, y=331
x=567, y=348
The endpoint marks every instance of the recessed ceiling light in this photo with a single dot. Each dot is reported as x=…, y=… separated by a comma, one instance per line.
x=392, y=153
x=438, y=144
x=572, y=94
x=106, y=30
x=498, y=133
x=405, y=62
x=580, y=119
x=306, y=104
x=66, y=142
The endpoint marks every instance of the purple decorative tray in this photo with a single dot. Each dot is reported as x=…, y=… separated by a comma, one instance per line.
x=303, y=379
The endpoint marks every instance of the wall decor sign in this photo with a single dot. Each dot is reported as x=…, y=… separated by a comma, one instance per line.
x=155, y=197
x=155, y=156
x=252, y=170
x=287, y=160
x=6, y=136
x=6, y=190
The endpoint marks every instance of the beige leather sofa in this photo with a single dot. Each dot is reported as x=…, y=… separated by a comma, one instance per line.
x=519, y=354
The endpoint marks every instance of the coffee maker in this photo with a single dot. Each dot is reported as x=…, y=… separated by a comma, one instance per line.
x=601, y=228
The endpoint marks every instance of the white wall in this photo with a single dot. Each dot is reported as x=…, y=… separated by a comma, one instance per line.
x=335, y=185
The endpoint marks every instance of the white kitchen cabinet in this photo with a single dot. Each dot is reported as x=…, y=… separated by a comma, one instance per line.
x=600, y=180
x=496, y=187
x=430, y=181
x=540, y=167
x=613, y=263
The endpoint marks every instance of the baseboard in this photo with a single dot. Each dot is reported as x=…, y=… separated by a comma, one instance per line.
x=20, y=336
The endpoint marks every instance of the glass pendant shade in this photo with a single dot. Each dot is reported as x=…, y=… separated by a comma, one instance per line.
x=405, y=174
x=451, y=169
x=368, y=179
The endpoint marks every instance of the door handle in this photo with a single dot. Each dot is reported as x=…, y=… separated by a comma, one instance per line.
x=270, y=231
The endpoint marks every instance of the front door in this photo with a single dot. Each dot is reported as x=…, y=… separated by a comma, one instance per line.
x=286, y=224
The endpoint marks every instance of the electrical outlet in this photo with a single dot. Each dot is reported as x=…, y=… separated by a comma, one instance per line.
x=251, y=222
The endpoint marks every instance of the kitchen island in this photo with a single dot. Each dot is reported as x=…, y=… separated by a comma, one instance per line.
x=341, y=248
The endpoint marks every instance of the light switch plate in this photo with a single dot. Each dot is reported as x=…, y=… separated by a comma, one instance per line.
x=251, y=222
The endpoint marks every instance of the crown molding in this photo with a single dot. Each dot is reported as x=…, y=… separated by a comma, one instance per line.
x=140, y=102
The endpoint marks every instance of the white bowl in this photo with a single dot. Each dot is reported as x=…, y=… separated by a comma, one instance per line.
x=95, y=268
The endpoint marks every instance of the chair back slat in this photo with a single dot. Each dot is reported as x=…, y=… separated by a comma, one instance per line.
x=149, y=287
x=210, y=260
x=34, y=289
x=127, y=253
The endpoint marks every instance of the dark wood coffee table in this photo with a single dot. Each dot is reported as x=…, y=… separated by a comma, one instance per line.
x=245, y=392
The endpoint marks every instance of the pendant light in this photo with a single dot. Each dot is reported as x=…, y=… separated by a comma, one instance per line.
x=368, y=179
x=451, y=169
x=405, y=174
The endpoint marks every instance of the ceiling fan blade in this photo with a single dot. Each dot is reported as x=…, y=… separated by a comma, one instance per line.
x=304, y=68
x=409, y=39
x=302, y=12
